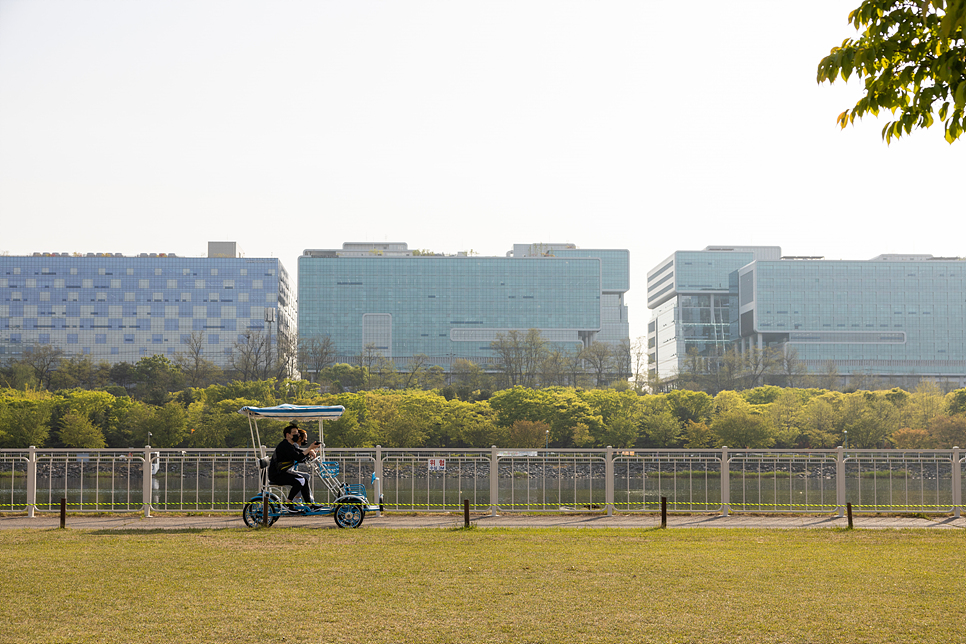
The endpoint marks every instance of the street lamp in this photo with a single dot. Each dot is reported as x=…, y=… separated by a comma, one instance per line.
x=149, y=438
x=547, y=445
x=846, y=438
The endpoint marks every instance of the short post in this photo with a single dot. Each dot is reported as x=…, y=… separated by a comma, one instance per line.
x=848, y=509
x=663, y=512
x=725, y=482
x=265, y=522
x=63, y=512
x=466, y=513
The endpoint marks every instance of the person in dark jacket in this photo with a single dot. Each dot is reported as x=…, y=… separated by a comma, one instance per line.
x=281, y=470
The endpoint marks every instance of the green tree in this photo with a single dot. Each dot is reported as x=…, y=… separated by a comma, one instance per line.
x=912, y=57
x=76, y=430
x=156, y=378
x=663, y=429
x=741, y=428
x=690, y=406
x=948, y=431
x=529, y=434
x=698, y=435
x=25, y=418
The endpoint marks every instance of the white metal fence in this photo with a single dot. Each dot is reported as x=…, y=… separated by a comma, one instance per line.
x=502, y=480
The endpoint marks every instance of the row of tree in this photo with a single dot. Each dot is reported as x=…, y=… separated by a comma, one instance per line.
x=518, y=417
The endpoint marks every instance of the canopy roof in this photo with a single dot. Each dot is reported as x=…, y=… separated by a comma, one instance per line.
x=294, y=412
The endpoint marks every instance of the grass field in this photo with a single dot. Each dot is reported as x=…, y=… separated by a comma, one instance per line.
x=482, y=585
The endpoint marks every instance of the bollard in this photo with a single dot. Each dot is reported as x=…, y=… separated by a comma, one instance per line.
x=663, y=511
x=63, y=512
x=848, y=509
x=265, y=522
x=466, y=513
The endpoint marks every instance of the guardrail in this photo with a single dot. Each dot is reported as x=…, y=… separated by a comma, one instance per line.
x=721, y=480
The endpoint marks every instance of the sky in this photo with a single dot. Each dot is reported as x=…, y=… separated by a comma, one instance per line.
x=160, y=125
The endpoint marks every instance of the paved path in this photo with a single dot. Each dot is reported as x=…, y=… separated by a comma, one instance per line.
x=455, y=520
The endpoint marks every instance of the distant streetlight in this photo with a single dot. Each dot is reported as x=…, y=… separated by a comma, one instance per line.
x=149, y=438
x=547, y=445
x=846, y=438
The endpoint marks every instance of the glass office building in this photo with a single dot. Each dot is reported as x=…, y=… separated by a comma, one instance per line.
x=453, y=306
x=895, y=317
x=693, y=295
x=115, y=308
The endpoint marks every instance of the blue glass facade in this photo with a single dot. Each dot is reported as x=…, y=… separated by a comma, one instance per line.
x=888, y=316
x=693, y=295
x=894, y=316
x=449, y=307
x=121, y=309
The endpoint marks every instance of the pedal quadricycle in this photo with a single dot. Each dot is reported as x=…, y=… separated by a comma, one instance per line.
x=268, y=506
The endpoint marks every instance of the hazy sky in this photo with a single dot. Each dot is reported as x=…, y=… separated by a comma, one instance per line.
x=155, y=126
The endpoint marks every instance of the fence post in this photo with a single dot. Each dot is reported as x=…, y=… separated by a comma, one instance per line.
x=31, y=481
x=494, y=481
x=146, y=482
x=382, y=483
x=725, y=482
x=957, y=484
x=840, y=480
x=609, y=484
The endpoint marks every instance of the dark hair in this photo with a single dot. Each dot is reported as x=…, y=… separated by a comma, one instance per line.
x=303, y=437
x=288, y=430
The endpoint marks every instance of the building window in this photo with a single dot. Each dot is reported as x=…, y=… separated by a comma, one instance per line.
x=45, y=296
x=172, y=283
x=87, y=283
x=71, y=338
x=157, y=338
x=145, y=284
x=212, y=339
x=129, y=297
x=72, y=297
x=186, y=297
x=157, y=271
x=199, y=283
x=102, y=297
x=43, y=338
x=256, y=284
x=115, y=283
x=214, y=271
x=100, y=338
x=243, y=297
x=129, y=338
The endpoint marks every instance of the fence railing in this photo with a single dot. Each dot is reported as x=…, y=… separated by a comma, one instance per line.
x=502, y=480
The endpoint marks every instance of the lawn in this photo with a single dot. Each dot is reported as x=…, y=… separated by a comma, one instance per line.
x=482, y=585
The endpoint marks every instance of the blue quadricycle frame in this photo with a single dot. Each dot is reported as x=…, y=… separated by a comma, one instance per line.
x=266, y=507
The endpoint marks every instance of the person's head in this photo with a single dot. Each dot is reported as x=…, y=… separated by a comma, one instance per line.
x=303, y=437
x=291, y=433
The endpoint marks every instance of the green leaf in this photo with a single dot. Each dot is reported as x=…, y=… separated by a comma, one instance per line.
x=959, y=99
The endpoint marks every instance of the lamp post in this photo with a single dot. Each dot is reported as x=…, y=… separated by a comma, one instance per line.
x=547, y=444
x=846, y=432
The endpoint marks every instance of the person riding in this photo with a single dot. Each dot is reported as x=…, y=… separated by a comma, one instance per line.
x=281, y=469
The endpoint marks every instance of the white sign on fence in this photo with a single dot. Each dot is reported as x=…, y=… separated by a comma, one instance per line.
x=437, y=465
